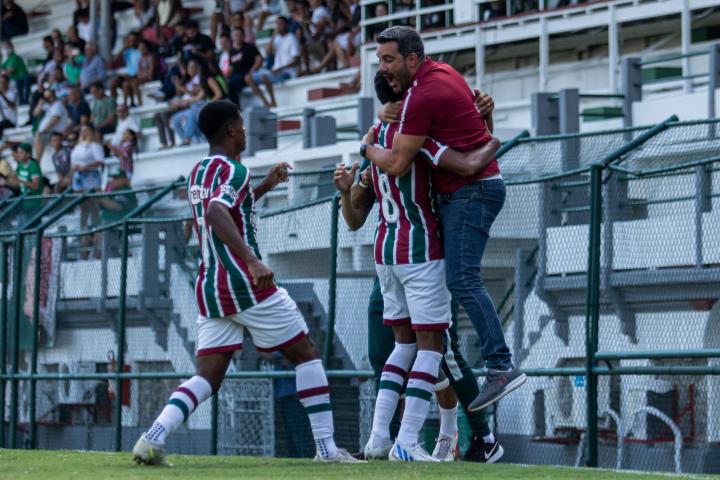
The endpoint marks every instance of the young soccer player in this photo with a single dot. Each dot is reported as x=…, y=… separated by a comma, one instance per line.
x=235, y=290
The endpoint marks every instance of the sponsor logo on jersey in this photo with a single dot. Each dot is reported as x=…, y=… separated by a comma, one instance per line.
x=198, y=194
x=229, y=191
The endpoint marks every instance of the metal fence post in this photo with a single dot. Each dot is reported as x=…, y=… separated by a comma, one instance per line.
x=3, y=336
x=593, y=313
x=214, y=414
x=120, y=356
x=35, y=324
x=714, y=80
x=332, y=293
x=17, y=305
x=631, y=86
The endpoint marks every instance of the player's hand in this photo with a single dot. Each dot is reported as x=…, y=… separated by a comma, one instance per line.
x=278, y=174
x=262, y=276
x=344, y=178
x=484, y=103
x=366, y=176
x=369, y=138
x=389, y=112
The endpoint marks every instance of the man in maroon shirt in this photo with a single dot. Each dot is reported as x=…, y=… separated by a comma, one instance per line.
x=438, y=103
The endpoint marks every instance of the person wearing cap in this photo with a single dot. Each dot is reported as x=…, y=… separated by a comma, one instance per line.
x=29, y=179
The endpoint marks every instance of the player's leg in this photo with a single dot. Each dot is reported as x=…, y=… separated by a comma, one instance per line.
x=217, y=340
x=277, y=325
x=446, y=443
x=429, y=304
x=395, y=370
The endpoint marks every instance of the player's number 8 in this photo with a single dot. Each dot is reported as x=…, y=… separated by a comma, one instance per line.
x=390, y=209
x=204, y=245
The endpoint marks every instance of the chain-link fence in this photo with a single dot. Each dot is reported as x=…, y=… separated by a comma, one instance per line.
x=603, y=267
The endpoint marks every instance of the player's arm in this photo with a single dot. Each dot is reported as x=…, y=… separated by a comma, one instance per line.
x=396, y=162
x=354, y=216
x=278, y=174
x=219, y=219
x=468, y=164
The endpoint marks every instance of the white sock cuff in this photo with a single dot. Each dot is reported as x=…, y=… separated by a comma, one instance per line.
x=447, y=410
x=407, y=347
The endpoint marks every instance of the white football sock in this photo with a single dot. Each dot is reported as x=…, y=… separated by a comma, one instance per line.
x=418, y=394
x=392, y=381
x=489, y=438
x=182, y=403
x=314, y=394
x=448, y=421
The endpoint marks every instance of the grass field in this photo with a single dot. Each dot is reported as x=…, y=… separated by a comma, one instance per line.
x=19, y=464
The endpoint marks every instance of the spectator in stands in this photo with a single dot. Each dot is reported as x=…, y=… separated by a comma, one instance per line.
x=125, y=152
x=144, y=13
x=73, y=64
x=93, y=68
x=83, y=26
x=28, y=177
x=224, y=11
x=149, y=69
x=126, y=121
x=285, y=49
x=224, y=57
x=47, y=45
x=61, y=162
x=374, y=29
x=102, y=110
x=197, y=88
x=57, y=60
x=313, y=50
x=14, y=21
x=86, y=161
x=244, y=59
x=114, y=208
x=244, y=22
x=166, y=15
x=494, y=9
x=129, y=57
x=57, y=39
x=82, y=8
x=54, y=119
x=8, y=105
x=347, y=41
x=197, y=43
x=78, y=110
x=59, y=84
x=340, y=24
x=74, y=40
x=14, y=67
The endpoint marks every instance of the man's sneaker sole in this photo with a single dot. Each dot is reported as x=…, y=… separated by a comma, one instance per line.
x=509, y=388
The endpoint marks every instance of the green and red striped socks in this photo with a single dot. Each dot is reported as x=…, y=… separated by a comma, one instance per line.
x=392, y=381
x=418, y=393
x=182, y=403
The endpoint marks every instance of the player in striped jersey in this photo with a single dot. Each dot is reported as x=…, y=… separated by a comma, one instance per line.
x=408, y=255
x=235, y=290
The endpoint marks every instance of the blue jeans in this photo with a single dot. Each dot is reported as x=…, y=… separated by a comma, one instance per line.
x=185, y=124
x=467, y=216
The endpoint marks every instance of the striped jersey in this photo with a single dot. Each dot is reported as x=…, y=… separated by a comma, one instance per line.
x=408, y=229
x=224, y=285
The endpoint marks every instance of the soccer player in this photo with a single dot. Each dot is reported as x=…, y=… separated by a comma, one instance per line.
x=437, y=103
x=408, y=256
x=236, y=290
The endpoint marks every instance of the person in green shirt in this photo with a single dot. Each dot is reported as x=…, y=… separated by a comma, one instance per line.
x=29, y=179
x=116, y=206
x=103, y=110
x=14, y=67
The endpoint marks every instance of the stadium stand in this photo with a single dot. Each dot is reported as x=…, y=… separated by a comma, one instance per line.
x=591, y=81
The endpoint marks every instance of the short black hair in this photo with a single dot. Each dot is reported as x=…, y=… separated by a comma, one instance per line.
x=192, y=24
x=407, y=39
x=283, y=18
x=384, y=91
x=98, y=84
x=215, y=115
x=56, y=134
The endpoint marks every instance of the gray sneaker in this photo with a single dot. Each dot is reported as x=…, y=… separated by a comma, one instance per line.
x=496, y=386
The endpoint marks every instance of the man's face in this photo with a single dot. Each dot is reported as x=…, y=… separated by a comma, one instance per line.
x=49, y=96
x=96, y=92
x=394, y=66
x=122, y=111
x=192, y=32
x=56, y=142
x=22, y=156
x=280, y=26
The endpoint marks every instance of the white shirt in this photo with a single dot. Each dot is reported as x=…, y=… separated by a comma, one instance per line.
x=190, y=86
x=286, y=48
x=86, y=153
x=318, y=14
x=128, y=123
x=6, y=111
x=57, y=109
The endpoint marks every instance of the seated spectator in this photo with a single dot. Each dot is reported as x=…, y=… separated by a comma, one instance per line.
x=166, y=15
x=285, y=49
x=125, y=122
x=14, y=21
x=102, y=110
x=73, y=64
x=374, y=29
x=339, y=24
x=57, y=39
x=74, y=40
x=348, y=39
x=244, y=22
x=197, y=43
x=224, y=57
x=114, y=208
x=244, y=59
x=59, y=84
x=83, y=26
x=86, y=162
x=149, y=69
x=61, y=162
x=313, y=51
x=78, y=110
x=93, y=68
x=8, y=105
x=54, y=119
x=130, y=58
x=125, y=152
x=14, y=67
x=28, y=177
x=223, y=14
x=57, y=60
x=82, y=8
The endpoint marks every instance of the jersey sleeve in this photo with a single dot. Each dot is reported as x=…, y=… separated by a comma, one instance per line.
x=233, y=191
x=433, y=150
x=34, y=170
x=416, y=114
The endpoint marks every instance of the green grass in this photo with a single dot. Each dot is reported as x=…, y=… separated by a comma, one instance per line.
x=58, y=464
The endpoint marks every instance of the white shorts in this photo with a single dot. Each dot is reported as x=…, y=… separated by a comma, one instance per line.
x=415, y=294
x=274, y=323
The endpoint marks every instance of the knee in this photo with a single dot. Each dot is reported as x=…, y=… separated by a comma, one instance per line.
x=430, y=340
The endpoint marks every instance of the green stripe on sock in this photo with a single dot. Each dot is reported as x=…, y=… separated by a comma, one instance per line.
x=418, y=393
x=321, y=407
x=388, y=385
x=181, y=405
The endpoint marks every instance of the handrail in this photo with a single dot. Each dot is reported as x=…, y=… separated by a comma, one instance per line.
x=676, y=56
x=636, y=142
x=507, y=146
x=658, y=354
x=667, y=421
